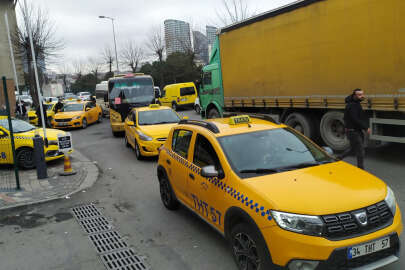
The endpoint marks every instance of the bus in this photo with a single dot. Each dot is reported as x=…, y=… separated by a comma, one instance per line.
x=127, y=92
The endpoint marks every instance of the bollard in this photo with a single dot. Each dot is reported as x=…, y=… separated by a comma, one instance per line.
x=39, y=157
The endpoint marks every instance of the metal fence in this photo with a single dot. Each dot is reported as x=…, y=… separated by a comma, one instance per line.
x=9, y=175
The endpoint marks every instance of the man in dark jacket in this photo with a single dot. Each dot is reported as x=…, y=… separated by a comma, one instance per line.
x=355, y=125
x=38, y=113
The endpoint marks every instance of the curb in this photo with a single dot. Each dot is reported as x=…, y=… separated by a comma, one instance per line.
x=91, y=178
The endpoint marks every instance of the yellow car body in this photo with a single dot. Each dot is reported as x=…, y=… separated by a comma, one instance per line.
x=147, y=138
x=32, y=115
x=290, y=214
x=77, y=115
x=24, y=144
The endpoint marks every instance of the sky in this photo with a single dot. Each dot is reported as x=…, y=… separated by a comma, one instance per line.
x=85, y=35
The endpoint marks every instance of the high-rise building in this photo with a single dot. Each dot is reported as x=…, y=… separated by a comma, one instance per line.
x=200, y=43
x=211, y=34
x=177, y=36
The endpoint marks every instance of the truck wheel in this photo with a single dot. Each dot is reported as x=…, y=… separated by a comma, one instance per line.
x=301, y=123
x=25, y=158
x=213, y=113
x=333, y=131
x=197, y=109
x=249, y=248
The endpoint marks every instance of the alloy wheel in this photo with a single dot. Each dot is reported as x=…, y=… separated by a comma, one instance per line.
x=245, y=252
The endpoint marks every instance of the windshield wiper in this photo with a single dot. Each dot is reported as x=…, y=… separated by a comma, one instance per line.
x=165, y=122
x=260, y=171
x=300, y=166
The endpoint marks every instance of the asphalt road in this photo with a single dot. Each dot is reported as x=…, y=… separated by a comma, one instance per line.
x=47, y=237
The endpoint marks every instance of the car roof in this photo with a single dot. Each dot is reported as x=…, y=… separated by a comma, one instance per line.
x=221, y=126
x=142, y=109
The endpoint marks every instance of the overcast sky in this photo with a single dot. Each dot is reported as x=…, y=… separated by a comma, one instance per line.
x=86, y=35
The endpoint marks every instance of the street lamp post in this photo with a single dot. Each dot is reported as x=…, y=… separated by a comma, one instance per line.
x=115, y=42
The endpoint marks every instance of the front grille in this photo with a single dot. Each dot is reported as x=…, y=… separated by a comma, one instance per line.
x=161, y=139
x=63, y=120
x=32, y=117
x=345, y=225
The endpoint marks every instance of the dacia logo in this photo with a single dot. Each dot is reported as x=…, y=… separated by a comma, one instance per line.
x=361, y=217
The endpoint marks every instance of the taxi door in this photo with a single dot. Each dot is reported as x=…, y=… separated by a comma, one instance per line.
x=93, y=112
x=5, y=147
x=207, y=195
x=131, y=129
x=178, y=165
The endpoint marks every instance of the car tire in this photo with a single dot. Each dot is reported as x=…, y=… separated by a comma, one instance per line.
x=25, y=158
x=197, y=109
x=333, y=130
x=100, y=118
x=138, y=153
x=167, y=196
x=213, y=113
x=174, y=106
x=126, y=141
x=116, y=134
x=246, y=239
x=84, y=123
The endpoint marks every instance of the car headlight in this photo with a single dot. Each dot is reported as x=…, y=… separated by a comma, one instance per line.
x=53, y=142
x=144, y=137
x=310, y=225
x=391, y=201
x=76, y=117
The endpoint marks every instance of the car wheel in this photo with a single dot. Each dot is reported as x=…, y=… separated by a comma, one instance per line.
x=249, y=249
x=25, y=158
x=84, y=123
x=126, y=141
x=138, y=153
x=100, y=118
x=197, y=109
x=174, y=106
x=213, y=113
x=116, y=134
x=167, y=195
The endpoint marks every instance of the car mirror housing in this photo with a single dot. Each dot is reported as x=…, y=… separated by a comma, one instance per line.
x=209, y=171
x=130, y=123
x=87, y=109
x=328, y=150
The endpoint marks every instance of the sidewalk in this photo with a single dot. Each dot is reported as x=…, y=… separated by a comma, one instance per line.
x=54, y=187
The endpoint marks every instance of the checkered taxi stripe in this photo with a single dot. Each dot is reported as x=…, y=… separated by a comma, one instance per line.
x=231, y=191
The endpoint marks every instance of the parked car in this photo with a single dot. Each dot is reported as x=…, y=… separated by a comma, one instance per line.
x=84, y=95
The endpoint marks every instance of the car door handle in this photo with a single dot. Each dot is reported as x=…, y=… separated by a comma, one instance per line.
x=191, y=176
x=168, y=161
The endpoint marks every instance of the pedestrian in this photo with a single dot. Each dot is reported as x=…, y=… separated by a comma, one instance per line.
x=58, y=105
x=38, y=113
x=20, y=109
x=356, y=125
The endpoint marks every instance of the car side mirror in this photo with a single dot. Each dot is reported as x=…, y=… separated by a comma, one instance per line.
x=209, y=171
x=87, y=109
x=328, y=150
x=2, y=134
x=130, y=123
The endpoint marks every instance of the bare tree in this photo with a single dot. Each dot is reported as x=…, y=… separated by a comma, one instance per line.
x=94, y=66
x=64, y=70
x=78, y=68
x=234, y=11
x=132, y=55
x=46, y=44
x=156, y=43
x=108, y=57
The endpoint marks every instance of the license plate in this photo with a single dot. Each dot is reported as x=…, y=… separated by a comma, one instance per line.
x=63, y=124
x=368, y=248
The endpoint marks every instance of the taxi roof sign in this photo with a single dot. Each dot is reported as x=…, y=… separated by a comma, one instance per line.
x=240, y=119
x=152, y=106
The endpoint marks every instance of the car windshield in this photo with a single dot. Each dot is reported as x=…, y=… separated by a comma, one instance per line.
x=70, y=96
x=18, y=125
x=73, y=107
x=271, y=151
x=84, y=93
x=157, y=117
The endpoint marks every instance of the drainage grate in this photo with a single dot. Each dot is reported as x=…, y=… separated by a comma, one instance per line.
x=125, y=259
x=107, y=241
x=85, y=211
x=95, y=225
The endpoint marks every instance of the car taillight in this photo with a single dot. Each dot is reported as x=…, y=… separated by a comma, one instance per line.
x=178, y=99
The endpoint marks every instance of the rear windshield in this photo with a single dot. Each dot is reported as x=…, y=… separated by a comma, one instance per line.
x=186, y=91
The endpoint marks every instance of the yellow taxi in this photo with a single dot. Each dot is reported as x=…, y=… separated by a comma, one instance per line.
x=78, y=114
x=146, y=129
x=23, y=135
x=50, y=112
x=280, y=200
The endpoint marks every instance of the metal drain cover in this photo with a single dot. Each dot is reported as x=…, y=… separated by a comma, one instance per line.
x=125, y=259
x=95, y=225
x=107, y=241
x=85, y=212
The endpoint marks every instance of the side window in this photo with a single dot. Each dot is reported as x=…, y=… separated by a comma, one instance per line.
x=207, y=78
x=204, y=154
x=181, y=141
x=186, y=91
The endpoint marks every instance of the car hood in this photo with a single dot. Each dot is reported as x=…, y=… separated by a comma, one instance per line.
x=157, y=131
x=320, y=190
x=51, y=134
x=65, y=115
x=34, y=113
